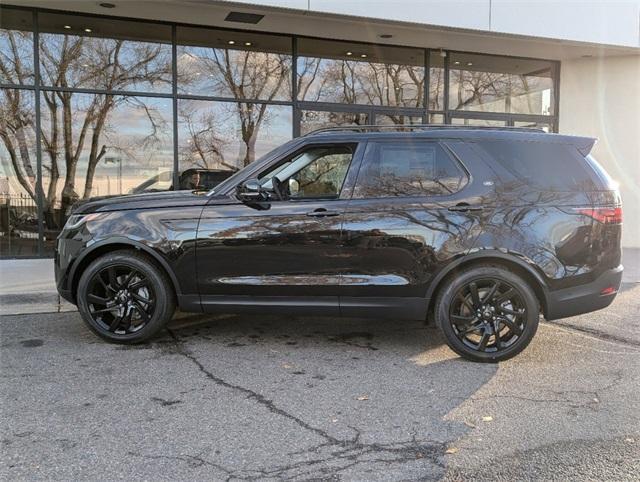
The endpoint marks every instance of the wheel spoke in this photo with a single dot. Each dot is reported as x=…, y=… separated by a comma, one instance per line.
x=101, y=281
x=491, y=292
x=104, y=310
x=510, y=312
x=113, y=279
x=126, y=320
x=505, y=296
x=141, y=298
x=515, y=329
x=129, y=277
x=97, y=300
x=475, y=298
x=115, y=323
x=462, y=320
x=139, y=284
x=141, y=311
x=483, y=341
x=465, y=302
x=498, y=342
x=471, y=329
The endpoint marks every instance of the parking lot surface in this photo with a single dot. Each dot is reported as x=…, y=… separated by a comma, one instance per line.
x=238, y=397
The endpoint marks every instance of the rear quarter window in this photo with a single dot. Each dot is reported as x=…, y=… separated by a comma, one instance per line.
x=545, y=166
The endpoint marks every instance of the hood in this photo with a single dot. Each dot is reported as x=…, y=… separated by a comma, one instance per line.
x=152, y=200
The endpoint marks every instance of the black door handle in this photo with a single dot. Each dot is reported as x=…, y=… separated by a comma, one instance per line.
x=465, y=208
x=322, y=213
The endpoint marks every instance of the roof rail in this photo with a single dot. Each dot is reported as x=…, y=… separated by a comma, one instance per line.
x=415, y=127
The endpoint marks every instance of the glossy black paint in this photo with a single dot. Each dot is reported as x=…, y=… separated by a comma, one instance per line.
x=374, y=257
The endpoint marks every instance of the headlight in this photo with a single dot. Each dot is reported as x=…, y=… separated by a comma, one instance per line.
x=75, y=220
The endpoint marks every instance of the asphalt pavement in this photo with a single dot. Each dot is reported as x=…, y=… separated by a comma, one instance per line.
x=273, y=398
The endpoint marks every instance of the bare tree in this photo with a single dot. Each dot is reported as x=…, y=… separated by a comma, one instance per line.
x=247, y=75
x=74, y=128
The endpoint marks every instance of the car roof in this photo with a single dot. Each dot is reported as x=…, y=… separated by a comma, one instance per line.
x=359, y=133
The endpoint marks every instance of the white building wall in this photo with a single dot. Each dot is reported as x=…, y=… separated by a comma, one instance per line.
x=601, y=98
x=609, y=22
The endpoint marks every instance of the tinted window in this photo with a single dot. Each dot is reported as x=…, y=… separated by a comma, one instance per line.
x=318, y=172
x=545, y=166
x=407, y=169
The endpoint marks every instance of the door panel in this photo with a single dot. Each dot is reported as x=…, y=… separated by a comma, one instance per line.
x=287, y=250
x=395, y=242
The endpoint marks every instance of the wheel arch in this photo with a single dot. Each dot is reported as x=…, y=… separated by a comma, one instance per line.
x=509, y=261
x=118, y=244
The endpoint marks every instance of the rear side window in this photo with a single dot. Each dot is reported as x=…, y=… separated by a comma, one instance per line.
x=542, y=165
x=408, y=169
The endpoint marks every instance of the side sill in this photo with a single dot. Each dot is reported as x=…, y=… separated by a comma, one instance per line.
x=189, y=303
x=294, y=305
x=379, y=307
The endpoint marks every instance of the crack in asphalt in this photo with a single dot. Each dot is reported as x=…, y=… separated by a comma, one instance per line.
x=259, y=398
x=594, y=396
x=595, y=333
x=348, y=452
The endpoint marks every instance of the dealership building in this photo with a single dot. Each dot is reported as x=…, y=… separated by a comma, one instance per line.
x=102, y=98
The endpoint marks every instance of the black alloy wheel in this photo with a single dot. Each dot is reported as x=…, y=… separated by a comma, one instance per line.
x=487, y=314
x=125, y=297
x=121, y=299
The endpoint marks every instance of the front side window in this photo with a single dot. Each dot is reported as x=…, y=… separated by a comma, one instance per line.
x=408, y=169
x=318, y=172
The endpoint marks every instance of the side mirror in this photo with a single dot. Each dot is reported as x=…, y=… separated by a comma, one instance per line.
x=251, y=192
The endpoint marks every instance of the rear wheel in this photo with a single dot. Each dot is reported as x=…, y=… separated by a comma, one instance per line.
x=487, y=313
x=124, y=297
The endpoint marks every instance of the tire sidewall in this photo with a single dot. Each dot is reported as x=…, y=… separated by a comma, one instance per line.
x=163, y=309
x=448, y=292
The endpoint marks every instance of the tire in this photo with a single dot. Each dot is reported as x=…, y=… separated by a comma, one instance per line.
x=124, y=297
x=468, y=313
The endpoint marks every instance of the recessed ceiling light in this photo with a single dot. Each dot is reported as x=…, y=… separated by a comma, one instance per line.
x=88, y=30
x=248, y=44
x=67, y=27
x=364, y=56
x=231, y=42
x=349, y=54
x=469, y=64
x=457, y=62
x=107, y=5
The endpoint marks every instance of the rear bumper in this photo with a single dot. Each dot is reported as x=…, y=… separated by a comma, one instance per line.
x=584, y=298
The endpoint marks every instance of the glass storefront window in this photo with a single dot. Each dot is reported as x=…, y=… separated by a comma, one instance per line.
x=229, y=135
x=350, y=73
x=105, y=54
x=313, y=120
x=234, y=65
x=16, y=47
x=478, y=122
x=436, y=80
x=397, y=119
x=489, y=83
x=114, y=144
x=18, y=168
x=545, y=126
x=107, y=94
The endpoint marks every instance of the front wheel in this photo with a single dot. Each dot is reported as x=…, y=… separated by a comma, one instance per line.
x=124, y=297
x=487, y=313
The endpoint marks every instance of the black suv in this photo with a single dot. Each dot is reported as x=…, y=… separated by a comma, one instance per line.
x=481, y=230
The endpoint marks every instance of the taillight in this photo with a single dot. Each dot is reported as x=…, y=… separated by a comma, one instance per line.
x=603, y=215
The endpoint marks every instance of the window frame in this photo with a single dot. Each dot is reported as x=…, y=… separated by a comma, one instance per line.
x=347, y=186
x=453, y=158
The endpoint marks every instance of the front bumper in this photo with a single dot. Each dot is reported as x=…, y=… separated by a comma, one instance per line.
x=584, y=298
